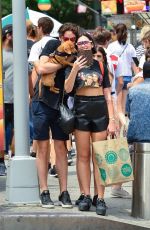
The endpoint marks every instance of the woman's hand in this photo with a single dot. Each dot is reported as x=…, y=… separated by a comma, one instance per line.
x=112, y=128
x=79, y=63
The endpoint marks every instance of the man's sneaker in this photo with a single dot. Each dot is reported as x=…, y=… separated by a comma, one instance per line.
x=85, y=204
x=101, y=207
x=46, y=200
x=81, y=197
x=120, y=193
x=53, y=172
x=73, y=152
x=2, y=169
x=70, y=160
x=94, y=200
x=65, y=200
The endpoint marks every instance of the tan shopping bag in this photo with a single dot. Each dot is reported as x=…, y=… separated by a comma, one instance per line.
x=113, y=160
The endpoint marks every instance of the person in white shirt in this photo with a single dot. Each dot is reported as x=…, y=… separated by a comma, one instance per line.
x=125, y=59
x=45, y=27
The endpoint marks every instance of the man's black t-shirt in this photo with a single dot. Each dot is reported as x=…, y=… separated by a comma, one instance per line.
x=49, y=98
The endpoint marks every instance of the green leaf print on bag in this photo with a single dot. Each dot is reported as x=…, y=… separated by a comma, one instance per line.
x=123, y=154
x=103, y=174
x=98, y=158
x=111, y=157
x=126, y=170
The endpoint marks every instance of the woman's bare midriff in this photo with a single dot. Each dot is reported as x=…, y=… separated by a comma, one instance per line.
x=88, y=91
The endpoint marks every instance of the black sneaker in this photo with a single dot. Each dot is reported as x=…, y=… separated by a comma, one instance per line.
x=33, y=154
x=2, y=169
x=70, y=160
x=81, y=197
x=46, y=200
x=53, y=172
x=94, y=200
x=101, y=207
x=65, y=200
x=85, y=204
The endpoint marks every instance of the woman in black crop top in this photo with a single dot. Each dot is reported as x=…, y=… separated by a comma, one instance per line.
x=94, y=116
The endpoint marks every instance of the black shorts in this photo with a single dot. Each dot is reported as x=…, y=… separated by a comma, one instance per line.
x=91, y=113
x=45, y=119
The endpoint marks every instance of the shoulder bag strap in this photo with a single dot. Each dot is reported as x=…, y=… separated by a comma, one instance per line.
x=123, y=50
x=101, y=68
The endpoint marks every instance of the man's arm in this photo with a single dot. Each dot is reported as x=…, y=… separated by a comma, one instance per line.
x=43, y=66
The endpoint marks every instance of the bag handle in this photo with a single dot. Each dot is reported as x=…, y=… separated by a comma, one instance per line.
x=101, y=67
x=63, y=94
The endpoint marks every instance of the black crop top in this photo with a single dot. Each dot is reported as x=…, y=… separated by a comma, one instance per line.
x=91, y=77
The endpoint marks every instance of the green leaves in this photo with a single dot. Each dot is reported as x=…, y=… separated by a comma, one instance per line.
x=61, y=10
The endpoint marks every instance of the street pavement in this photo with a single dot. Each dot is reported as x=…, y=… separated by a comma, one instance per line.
x=118, y=209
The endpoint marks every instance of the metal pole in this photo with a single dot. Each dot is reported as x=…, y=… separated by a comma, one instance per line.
x=21, y=104
x=22, y=182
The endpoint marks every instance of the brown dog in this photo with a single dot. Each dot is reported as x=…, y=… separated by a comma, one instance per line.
x=65, y=50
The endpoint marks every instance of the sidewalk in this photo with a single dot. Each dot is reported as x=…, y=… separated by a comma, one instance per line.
x=118, y=209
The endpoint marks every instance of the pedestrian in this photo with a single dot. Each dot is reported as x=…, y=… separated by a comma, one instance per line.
x=126, y=59
x=31, y=35
x=139, y=119
x=7, y=48
x=45, y=115
x=140, y=50
x=44, y=28
x=94, y=117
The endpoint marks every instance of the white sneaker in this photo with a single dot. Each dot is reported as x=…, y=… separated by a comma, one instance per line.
x=120, y=193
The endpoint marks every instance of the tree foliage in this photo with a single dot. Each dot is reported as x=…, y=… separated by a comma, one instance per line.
x=62, y=10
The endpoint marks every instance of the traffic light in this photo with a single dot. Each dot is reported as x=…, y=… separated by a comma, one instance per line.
x=120, y=7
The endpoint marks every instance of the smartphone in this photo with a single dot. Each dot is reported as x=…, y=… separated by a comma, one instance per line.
x=87, y=54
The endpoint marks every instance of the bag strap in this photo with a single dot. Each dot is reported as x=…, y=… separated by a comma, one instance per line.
x=63, y=93
x=101, y=67
x=123, y=50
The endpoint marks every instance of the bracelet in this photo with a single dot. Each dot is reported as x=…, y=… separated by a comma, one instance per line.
x=112, y=118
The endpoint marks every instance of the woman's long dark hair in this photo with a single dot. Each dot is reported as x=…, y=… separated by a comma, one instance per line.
x=121, y=31
x=100, y=49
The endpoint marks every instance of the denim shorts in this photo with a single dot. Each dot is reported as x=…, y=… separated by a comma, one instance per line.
x=126, y=79
x=46, y=119
x=91, y=113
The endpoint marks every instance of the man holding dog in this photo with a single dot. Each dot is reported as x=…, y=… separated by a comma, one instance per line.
x=45, y=114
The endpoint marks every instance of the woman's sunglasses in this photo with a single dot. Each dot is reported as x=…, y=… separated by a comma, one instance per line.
x=83, y=43
x=73, y=39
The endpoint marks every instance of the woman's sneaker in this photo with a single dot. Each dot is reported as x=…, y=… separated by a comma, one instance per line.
x=64, y=200
x=81, y=197
x=46, y=200
x=85, y=204
x=94, y=200
x=101, y=207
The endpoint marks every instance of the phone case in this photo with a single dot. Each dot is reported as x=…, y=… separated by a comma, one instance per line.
x=86, y=54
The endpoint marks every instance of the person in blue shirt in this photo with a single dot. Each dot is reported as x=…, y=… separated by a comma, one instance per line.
x=138, y=108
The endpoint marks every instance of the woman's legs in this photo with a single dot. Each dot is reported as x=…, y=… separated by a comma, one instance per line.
x=100, y=203
x=83, y=160
x=100, y=188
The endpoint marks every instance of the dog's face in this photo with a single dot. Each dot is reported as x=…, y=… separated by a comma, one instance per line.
x=68, y=47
